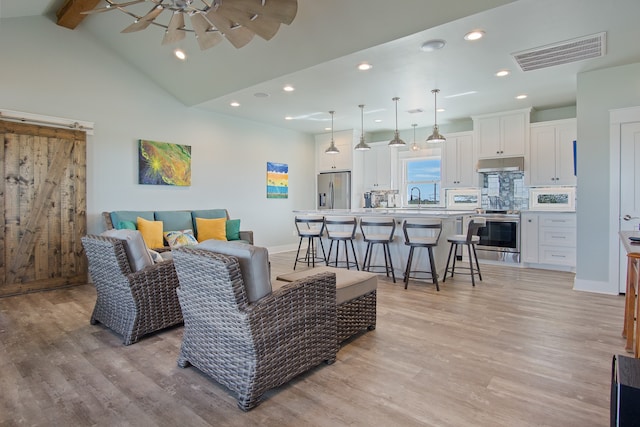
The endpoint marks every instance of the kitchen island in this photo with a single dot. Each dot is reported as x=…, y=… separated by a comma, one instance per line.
x=451, y=224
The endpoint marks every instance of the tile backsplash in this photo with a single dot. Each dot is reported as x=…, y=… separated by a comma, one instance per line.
x=504, y=190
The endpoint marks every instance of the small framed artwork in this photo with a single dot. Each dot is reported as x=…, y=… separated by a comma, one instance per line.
x=161, y=163
x=277, y=180
x=552, y=199
x=464, y=199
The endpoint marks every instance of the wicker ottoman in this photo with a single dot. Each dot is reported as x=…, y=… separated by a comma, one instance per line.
x=355, y=298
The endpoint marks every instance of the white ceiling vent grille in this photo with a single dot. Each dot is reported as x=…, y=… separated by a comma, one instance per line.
x=586, y=47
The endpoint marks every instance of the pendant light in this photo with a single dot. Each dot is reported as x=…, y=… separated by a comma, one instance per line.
x=332, y=147
x=362, y=146
x=435, y=136
x=396, y=141
x=414, y=147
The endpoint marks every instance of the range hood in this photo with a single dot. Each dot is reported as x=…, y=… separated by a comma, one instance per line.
x=504, y=164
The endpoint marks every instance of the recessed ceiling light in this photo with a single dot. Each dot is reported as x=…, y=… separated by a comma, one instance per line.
x=288, y=88
x=378, y=120
x=523, y=96
x=261, y=95
x=327, y=128
x=474, y=35
x=431, y=45
x=179, y=53
x=502, y=73
x=235, y=104
x=365, y=66
x=288, y=118
x=441, y=110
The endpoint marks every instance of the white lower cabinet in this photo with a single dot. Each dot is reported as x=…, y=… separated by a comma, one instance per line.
x=549, y=238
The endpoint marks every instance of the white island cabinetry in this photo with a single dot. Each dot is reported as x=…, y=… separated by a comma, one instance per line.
x=551, y=159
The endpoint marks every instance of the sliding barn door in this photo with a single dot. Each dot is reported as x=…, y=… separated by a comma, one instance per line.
x=43, y=208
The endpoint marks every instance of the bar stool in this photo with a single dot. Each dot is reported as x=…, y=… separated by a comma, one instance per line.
x=341, y=229
x=421, y=233
x=469, y=240
x=378, y=231
x=310, y=227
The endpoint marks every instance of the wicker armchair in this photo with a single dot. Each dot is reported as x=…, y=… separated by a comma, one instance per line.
x=131, y=304
x=252, y=347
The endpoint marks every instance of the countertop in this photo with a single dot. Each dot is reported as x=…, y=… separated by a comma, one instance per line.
x=398, y=212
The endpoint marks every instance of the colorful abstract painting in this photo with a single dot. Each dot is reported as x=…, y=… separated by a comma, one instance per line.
x=161, y=163
x=277, y=180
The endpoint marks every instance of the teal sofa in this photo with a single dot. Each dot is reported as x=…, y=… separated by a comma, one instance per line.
x=172, y=220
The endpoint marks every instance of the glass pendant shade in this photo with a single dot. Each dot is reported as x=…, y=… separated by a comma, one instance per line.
x=396, y=141
x=436, y=136
x=332, y=147
x=362, y=146
x=414, y=147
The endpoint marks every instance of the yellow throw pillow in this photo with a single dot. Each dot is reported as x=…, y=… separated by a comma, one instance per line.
x=211, y=229
x=151, y=232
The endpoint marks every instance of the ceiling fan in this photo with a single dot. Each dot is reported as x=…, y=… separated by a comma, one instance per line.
x=210, y=20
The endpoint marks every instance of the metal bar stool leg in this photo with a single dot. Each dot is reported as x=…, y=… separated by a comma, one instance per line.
x=298, y=253
x=387, y=255
x=434, y=273
x=473, y=282
x=324, y=255
x=355, y=257
x=446, y=269
x=366, y=257
x=408, y=269
x=477, y=263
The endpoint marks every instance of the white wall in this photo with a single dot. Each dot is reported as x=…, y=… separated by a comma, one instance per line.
x=597, y=93
x=49, y=70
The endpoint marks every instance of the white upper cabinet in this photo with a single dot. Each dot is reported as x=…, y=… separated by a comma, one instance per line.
x=335, y=162
x=377, y=167
x=551, y=159
x=459, y=161
x=502, y=134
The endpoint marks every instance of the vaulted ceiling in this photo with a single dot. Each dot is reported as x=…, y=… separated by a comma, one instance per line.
x=318, y=53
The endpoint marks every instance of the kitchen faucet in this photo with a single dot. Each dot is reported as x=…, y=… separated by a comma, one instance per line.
x=419, y=196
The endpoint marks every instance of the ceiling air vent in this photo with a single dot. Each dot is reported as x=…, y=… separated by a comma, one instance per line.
x=586, y=47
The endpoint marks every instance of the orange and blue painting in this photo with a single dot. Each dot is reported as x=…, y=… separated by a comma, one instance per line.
x=277, y=180
x=162, y=163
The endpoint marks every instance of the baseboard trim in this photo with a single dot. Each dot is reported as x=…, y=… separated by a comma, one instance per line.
x=594, y=286
x=284, y=248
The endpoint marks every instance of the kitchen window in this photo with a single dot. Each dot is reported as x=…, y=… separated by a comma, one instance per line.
x=422, y=175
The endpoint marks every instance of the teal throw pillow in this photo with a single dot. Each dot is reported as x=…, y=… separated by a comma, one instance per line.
x=233, y=229
x=127, y=225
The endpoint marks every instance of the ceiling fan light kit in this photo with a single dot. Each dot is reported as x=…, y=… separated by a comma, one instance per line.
x=435, y=136
x=211, y=21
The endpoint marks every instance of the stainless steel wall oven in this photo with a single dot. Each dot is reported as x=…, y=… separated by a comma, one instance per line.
x=500, y=239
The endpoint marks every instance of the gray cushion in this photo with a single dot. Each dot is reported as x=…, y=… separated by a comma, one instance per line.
x=174, y=220
x=254, y=265
x=350, y=284
x=135, y=248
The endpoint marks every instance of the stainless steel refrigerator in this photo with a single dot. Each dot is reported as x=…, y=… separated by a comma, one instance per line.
x=334, y=190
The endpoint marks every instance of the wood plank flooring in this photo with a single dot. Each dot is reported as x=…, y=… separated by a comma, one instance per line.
x=520, y=349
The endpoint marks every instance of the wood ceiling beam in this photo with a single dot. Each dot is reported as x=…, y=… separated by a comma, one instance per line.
x=69, y=15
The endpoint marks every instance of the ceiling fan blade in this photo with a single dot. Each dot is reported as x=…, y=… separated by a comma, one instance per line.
x=237, y=35
x=206, y=39
x=145, y=21
x=280, y=10
x=111, y=6
x=261, y=25
x=175, y=30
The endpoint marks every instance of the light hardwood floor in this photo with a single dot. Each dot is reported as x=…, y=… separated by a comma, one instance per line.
x=520, y=349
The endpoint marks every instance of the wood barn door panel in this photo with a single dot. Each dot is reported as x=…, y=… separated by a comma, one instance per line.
x=43, y=208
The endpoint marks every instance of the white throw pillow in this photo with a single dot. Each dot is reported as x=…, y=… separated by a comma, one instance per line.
x=136, y=249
